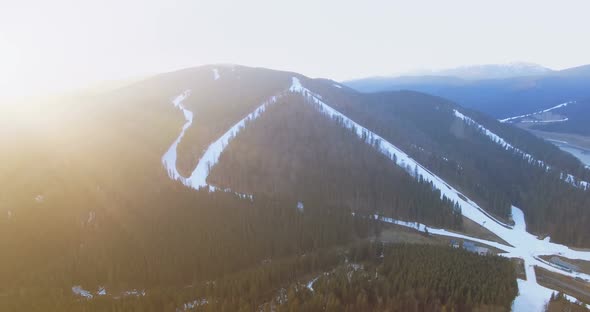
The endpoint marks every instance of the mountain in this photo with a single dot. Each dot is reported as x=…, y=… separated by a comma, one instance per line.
x=490, y=71
x=502, y=97
x=218, y=186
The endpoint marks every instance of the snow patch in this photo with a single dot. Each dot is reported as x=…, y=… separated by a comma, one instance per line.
x=169, y=158
x=522, y=244
x=539, y=112
x=337, y=86
x=91, y=216
x=310, y=283
x=300, y=206
x=198, y=178
x=193, y=304
x=509, y=147
x=216, y=75
x=545, y=121
x=79, y=291
x=101, y=291
x=134, y=292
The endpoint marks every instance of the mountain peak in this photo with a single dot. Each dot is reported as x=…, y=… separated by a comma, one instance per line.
x=491, y=71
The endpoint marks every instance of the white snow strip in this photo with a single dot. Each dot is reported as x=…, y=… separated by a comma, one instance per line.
x=193, y=304
x=134, y=292
x=337, y=86
x=539, y=112
x=509, y=147
x=216, y=74
x=310, y=284
x=198, y=178
x=169, y=158
x=525, y=245
x=300, y=206
x=101, y=291
x=575, y=300
x=440, y=232
x=497, y=139
x=78, y=290
x=532, y=296
x=545, y=121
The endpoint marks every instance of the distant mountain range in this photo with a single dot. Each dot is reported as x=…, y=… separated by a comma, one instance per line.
x=489, y=71
x=501, y=91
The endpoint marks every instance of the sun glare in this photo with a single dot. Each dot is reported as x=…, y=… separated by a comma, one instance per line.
x=11, y=73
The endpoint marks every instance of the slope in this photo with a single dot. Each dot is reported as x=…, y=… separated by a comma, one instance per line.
x=500, y=97
x=293, y=151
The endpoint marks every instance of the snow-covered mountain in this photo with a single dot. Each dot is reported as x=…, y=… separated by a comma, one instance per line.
x=507, y=91
x=144, y=178
x=491, y=71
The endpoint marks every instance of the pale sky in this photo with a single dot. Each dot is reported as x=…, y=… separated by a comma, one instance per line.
x=48, y=45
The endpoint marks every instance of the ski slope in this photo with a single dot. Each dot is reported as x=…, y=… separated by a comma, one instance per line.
x=568, y=178
x=539, y=112
x=522, y=244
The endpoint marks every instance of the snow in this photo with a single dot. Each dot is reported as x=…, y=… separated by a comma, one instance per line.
x=300, y=206
x=337, y=86
x=216, y=74
x=539, y=112
x=78, y=290
x=195, y=303
x=545, y=121
x=532, y=296
x=169, y=158
x=310, y=284
x=521, y=243
x=198, y=178
x=91, y=216
x=509, y=147
x=496, y=138
x=101, y=291
x=134, y=292
x=574, y=300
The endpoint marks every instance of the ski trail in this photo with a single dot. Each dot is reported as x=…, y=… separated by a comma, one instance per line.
x=523, y=244
x=566, y=177
x=169, y=158
x=539, y=112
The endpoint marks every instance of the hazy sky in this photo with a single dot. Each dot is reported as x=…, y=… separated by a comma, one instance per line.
x=57, y=44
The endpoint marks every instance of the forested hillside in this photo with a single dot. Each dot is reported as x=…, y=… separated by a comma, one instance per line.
x=293, y=151
x=496, y=178
x=88, y=203
x=409, y=278
x=500, y=98
x=578, y=119
x=362, y=277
